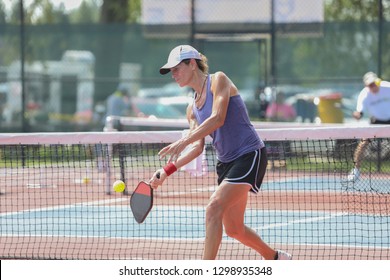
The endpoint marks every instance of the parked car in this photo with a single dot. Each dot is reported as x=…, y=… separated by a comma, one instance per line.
x=168, y=90
x=179, y=102
x=153, y=107
x=148, y=114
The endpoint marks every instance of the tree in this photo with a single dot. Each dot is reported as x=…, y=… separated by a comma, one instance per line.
x=2, y=13
x=47, y=14
x=134, y=11
x=355, y=10
x=88, y=12
x=114, y=11
x=38, y=12
x=363, y=11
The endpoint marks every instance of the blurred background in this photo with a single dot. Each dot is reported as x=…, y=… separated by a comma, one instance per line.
x=66, y=64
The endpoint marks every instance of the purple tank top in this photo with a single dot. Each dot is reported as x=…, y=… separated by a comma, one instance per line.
x=237, y=136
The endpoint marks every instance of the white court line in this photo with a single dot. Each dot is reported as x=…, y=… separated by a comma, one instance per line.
x=52, y=208
x=302, y=221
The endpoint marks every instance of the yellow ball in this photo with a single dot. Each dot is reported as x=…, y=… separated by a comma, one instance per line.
x=119, y=186
x=85, y=180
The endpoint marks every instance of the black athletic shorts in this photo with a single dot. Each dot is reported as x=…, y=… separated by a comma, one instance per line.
x=249, y=168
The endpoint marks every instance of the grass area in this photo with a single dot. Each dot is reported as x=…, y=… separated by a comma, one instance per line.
x=15, y=156
x=330, y=164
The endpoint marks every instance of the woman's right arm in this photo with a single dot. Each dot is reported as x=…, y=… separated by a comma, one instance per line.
x=196, y=148
x=193, y=151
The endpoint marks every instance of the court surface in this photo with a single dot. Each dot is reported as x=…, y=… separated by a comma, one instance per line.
x=112, y=218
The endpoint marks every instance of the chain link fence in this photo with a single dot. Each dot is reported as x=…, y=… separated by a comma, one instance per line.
x=66, y=72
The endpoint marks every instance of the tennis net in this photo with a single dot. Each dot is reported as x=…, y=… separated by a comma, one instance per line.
x=57, y=200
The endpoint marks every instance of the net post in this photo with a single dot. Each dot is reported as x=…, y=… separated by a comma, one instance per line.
x=107, y=161
x=108, y=153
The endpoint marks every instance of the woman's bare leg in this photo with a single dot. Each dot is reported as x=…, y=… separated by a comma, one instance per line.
x=227, y=207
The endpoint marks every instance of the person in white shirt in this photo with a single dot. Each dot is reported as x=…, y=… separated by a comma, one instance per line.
x=373, y=100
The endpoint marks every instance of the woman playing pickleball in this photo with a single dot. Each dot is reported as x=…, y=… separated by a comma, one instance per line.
x=219, y=111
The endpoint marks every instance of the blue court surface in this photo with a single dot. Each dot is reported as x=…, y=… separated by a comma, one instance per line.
x=284, y=227
x=330, y=183
x=293, y=227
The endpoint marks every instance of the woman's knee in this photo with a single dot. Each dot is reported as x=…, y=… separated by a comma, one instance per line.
x=214, y=211
x=234, y=231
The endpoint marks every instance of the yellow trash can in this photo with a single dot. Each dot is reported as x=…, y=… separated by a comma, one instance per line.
x=329, y=108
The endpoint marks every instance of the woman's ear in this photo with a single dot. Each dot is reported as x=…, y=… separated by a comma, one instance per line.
x=193, y=64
